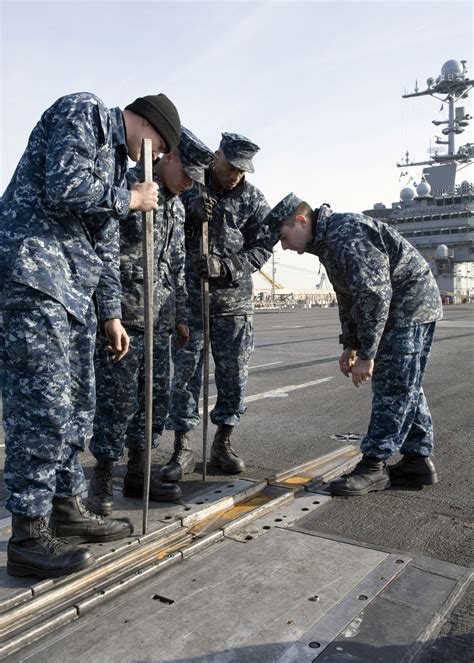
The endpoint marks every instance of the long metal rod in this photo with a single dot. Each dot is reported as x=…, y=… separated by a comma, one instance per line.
x=206, y=338
x=148, y=272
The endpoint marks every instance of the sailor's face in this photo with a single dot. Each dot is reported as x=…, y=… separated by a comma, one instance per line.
x=227, y=175
x=134, y=144
x=175, y=178
x=296, y=237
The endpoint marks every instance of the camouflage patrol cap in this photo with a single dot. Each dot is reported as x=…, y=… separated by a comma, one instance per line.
x=280, y=213
x=195, y=156
x=239, y=151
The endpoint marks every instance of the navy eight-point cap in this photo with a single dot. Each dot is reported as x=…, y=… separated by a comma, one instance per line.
x=278, y=215
x=239, y=151
x=195, y=155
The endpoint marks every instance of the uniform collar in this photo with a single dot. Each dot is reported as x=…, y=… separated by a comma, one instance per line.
x=319, y=227
x=168, y=198
x=118, y=127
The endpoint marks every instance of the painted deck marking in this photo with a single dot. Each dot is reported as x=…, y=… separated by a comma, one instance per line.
x=273, y=393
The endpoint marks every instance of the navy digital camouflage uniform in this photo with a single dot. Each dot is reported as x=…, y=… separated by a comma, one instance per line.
x=388, y=306
x=58, y=244
x=237, y=237
x=120, y=414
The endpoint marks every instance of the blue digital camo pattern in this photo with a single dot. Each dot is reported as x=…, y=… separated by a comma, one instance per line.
x=400, y=420
x=232, y=340
x=388, y=306
x=279, y=214
x=239, y=151
x=58, y=215
x=170, y=295
x=195, y=156
x=120, y=414
x=387, y=297
x=237, y=236
x=48, y=398
x=59, y=242
x=381, y=281
x=120, y=420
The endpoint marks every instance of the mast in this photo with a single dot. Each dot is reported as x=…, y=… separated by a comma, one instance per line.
x=452, y=85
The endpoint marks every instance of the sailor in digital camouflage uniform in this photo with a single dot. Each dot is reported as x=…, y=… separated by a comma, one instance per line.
x=59, y=245
x=388, y=306
x=236, y=249
x=120, y=414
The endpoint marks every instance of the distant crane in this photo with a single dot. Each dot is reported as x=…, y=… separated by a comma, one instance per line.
x=269, y=280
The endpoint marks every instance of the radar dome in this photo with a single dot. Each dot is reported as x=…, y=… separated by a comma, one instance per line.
x=451, y=68
x=407, y=194
x=441, y=251
x=423, y=189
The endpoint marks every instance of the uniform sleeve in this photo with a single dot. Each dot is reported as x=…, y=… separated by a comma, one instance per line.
x=178, y=256
x=367, y=271
x=256, y=250
x=79, y=162
x=109, y=290
x=348, y=338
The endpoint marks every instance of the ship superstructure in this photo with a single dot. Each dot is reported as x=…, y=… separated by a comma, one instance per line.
x=437, y=215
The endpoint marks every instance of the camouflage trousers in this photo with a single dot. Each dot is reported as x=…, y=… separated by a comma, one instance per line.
x=400, y=420
x=48, y=398
x=120, y=414
x=232, y=341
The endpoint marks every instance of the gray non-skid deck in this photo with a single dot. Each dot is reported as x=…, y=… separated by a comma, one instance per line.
x=270, y=591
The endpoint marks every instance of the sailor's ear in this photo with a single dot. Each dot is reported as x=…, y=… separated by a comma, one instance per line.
x=301, y=219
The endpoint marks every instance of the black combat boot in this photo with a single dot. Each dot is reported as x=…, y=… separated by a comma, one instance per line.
x=369, y=474
x=182, y=460
x=70, y=519
x=222, y=453
x=33, y=550
x=100, y=497
x=134, y=479
x=415, y=471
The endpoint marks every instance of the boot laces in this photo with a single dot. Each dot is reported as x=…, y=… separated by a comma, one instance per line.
x=226, y=443
x=84, y=511
x=103, y=481
x=179, y=449
x=53, y=544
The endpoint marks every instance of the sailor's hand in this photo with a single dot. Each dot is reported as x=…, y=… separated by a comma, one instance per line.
x=144, y=196
x=210, y=267
x=362, y=370
x=346, y=361
x=201, y=209
x=182, y=334
x=117, y=337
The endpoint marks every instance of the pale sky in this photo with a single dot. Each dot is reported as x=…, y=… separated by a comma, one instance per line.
x=317, y=85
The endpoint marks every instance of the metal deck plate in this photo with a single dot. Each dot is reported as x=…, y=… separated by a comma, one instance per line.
x=286, y=596
x=231, y=603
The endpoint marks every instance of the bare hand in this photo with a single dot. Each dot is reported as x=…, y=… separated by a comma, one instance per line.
x=117, y=337
x=362, y=370
x=182, y=335
x=144, y=196
x=346, y=361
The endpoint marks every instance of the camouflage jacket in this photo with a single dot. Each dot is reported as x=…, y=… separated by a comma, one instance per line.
x=237, y=235
x=59, y=214
x=381, y=280
x=170, y=295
